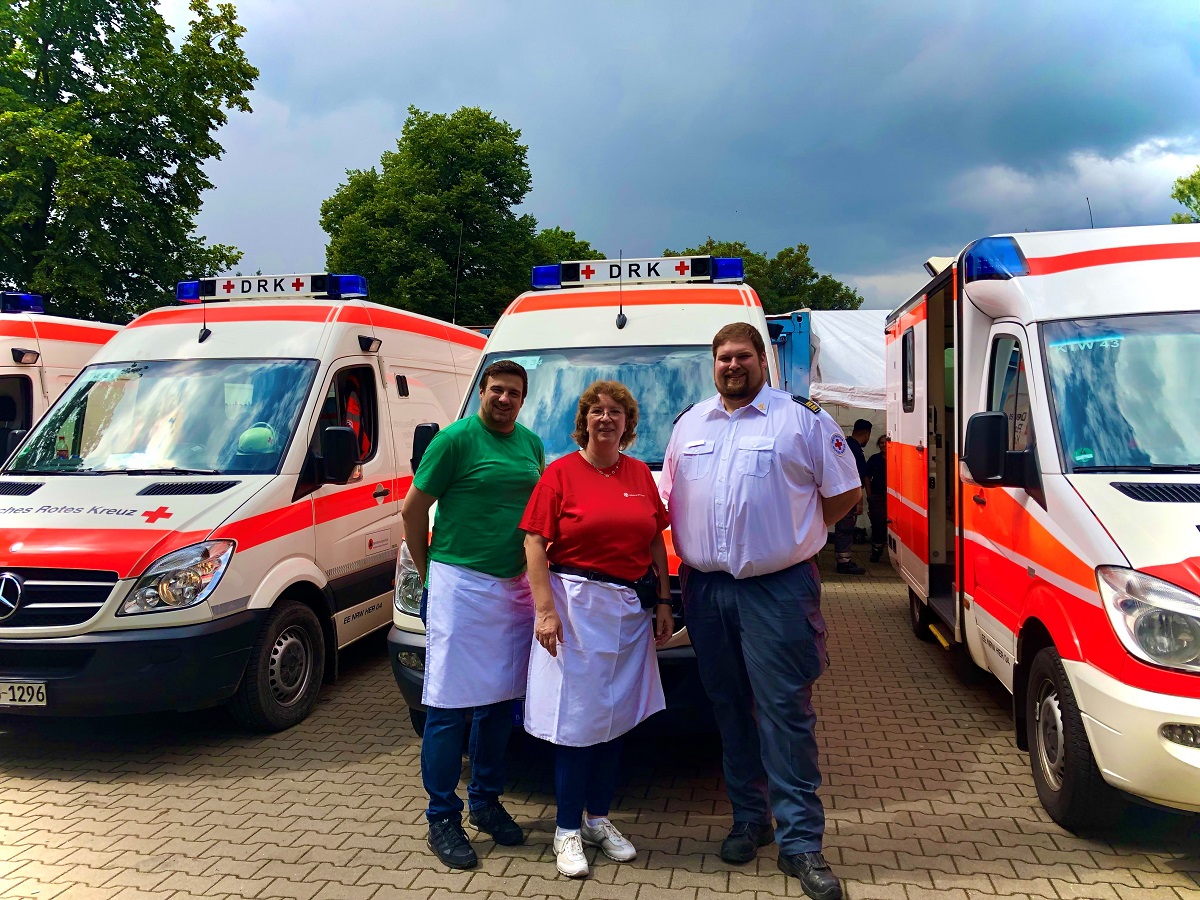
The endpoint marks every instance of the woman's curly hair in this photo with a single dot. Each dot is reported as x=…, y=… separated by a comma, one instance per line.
x=621, y=396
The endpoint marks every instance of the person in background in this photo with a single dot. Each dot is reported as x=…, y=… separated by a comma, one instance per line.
x=752, y=478
x=876, y=472
x=477, y=608
x=594, y=529
x=843, y=531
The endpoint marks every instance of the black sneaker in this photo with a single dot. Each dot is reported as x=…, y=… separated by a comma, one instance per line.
x=494, y=820
x=850, y=567
x=742, y=843
x=816, y=878
x=876, y=554
x=449, y=842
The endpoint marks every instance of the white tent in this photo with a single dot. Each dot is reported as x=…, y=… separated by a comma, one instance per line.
x=848, y=352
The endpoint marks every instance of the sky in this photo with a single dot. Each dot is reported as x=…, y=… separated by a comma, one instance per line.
x=879, y=134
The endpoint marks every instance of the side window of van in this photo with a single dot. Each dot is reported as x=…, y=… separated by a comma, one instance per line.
x=1008, y=390
x=908, y=361
x=350, y=402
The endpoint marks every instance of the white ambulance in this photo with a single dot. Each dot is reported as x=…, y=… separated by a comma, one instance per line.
x=1044, y=497
x=647, y=323
x=39, y=356
x=211, y=510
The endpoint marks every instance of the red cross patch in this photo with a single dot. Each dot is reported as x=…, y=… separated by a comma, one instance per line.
x=839, y=443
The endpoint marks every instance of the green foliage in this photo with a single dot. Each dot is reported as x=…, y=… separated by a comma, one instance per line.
x=1187, y=194
x=449, y=176
x=104, y=130
x=553, y=245
x=784, y=283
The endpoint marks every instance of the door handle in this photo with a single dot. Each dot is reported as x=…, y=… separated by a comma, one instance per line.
x=980, y=499
x=381, y=492
x=920, y=447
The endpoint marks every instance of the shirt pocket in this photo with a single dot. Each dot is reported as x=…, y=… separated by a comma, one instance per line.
x=755, y=456
x=696, y=460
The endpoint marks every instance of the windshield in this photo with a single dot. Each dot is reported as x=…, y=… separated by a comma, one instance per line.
x=1125, y=391
x=663, y=380
x=210, y=416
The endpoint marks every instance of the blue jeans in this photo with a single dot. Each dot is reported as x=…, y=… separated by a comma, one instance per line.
x=760, y=645
x=585, y=778
x=441, y=756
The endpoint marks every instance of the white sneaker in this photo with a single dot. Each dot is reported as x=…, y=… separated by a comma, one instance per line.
x=571, y=861
x=611, y=842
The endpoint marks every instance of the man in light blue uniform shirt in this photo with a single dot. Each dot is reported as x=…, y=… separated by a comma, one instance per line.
x=751, y=478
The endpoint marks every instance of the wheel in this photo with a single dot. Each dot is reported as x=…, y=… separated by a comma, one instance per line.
x=417, y=717
x=918, y=616
x=284, y=674
x=1068, y=782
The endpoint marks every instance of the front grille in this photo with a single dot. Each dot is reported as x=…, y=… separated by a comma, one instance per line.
x=18, y=488
x=51, y=597
x=180, y=488
x=1159, y=493
x=42, y=661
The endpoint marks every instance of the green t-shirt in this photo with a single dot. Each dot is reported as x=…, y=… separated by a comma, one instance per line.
x=482, y=480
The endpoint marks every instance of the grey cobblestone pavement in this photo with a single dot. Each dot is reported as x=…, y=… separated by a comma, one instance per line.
x=925, y=792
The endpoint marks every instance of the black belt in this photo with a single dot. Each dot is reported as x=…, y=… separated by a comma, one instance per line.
x=591, y=575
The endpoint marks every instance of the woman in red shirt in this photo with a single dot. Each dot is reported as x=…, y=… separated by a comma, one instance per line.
x=593, y=527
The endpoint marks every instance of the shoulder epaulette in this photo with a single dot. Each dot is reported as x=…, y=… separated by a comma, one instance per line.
x=685, y=409
x=804, y=401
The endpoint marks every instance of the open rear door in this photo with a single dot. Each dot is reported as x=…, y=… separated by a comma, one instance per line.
x=908, y=468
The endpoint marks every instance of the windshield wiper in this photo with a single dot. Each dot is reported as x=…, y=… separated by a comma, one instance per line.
x=1152, y=467
x=41, y=472
x=173, y=470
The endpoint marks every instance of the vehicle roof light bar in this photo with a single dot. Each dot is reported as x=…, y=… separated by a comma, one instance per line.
x=324, y=286
x=659, y=270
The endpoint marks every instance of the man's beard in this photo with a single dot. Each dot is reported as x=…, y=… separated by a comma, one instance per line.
x=747, y=389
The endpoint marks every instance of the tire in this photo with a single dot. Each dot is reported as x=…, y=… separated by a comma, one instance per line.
x=417, y=717
x=1068, y=781
x=919, y=616
x=285, y=671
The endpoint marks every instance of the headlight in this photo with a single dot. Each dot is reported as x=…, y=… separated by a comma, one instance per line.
x=407, y=595
x=1155, y=620
x=179, y=579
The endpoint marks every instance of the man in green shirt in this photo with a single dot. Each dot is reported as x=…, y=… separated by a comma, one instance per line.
x=478, y=610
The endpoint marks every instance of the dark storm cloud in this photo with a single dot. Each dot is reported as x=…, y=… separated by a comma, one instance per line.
x=877, y=135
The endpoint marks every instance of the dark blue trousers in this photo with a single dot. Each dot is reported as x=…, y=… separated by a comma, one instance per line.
x=585, y=778
x=441, y=756
x=760, y=645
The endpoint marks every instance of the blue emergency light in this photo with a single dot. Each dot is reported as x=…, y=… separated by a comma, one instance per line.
x=346, y=285
x=728, y=268
x=187, y=291
x=12, y=302
x=547, y=277
x=994, y=259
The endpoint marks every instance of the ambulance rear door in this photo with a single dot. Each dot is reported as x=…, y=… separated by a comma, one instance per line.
x=908, y=470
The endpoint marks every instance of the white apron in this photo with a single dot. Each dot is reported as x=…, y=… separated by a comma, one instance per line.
x=604, y=679
x=477, y=633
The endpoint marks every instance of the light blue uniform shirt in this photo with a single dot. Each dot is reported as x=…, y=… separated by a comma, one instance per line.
x=743, y=489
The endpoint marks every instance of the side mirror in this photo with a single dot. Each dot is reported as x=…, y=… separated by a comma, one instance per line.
x=986, y=448
x=339, y=454
x=14, y=438
x=421, y=440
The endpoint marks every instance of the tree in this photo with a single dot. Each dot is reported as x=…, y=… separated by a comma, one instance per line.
x=552, y=245
x=451, y=179
x=784, y=283
x=104, y=130
x=1187, y=193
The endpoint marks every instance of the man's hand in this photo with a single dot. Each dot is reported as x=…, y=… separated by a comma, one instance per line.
x=549, y=631
x=664, y=624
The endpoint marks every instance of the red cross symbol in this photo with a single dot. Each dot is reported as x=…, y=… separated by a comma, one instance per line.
x=297, y=284
x=587, y=271
x=228, y=287
x=153, y=516
x=682, y=267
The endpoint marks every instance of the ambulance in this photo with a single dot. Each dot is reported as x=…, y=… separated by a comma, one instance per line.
x=1044, y=497
x=210, y=512
x=39, y=356
x=647, y=323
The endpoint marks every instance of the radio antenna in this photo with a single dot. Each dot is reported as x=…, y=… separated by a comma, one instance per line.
x=1089, y=203
x=621, y=320
x=204, y=332
x=457, y=264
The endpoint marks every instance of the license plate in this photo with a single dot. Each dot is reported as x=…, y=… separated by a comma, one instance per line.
x=26, y=693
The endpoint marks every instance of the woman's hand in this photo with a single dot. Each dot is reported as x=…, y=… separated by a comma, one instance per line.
x=664, y=624
x=548, y=631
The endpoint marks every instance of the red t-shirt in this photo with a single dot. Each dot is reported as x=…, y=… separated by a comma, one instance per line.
x=593, y=522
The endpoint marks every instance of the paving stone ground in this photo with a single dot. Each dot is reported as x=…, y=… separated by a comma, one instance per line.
x=926, y=797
